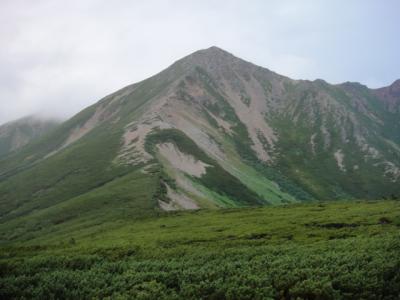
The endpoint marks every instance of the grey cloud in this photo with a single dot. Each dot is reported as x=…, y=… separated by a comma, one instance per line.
x=56, y=57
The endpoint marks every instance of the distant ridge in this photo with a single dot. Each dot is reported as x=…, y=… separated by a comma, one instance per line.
x=16, y=134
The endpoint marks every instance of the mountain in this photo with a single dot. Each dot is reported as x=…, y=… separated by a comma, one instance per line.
x=390, y=96
x=16, y=134
x=211, y=130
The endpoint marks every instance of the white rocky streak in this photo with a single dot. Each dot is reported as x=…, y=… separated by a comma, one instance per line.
x=177, y=201
x=312, y=143
x=181, y=161
x=253, y=116
x=339, y=156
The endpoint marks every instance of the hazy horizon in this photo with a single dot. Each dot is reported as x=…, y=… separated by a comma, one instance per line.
x=57, y=58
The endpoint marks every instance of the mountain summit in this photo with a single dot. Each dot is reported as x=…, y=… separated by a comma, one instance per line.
x=16, y=134
x=212, y=130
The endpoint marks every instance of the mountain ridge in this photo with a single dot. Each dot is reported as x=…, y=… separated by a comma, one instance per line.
x=211, y=130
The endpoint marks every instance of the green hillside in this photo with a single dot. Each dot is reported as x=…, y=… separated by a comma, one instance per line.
x=339, y=250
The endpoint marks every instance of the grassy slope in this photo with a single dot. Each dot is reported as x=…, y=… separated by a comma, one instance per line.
x=342, y=250
x=29, y=183
x=128, y=196
x=73, y=171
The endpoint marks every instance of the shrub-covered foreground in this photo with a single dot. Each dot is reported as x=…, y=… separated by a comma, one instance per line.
x=315, y=251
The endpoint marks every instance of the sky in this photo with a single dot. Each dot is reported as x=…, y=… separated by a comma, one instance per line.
x=57, y=56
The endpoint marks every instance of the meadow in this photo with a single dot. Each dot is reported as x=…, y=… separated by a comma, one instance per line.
x=331, y=250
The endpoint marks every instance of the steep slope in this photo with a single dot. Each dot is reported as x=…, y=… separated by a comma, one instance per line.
x=338, y=141
x=390, y=98
x=16, y=134
x=210, y=131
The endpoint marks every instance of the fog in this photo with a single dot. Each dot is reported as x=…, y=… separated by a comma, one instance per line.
x=57, y=57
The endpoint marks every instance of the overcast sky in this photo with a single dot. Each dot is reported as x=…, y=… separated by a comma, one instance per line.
x=56, y=57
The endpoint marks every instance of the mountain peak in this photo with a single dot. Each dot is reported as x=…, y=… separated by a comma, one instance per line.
x=396, y=84
x=390, y=95
x=214, y=50
x=210, y=55
x=394, y=88
x=218, y=62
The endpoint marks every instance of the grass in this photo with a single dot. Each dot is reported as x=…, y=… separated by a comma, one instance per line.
x=341, y=250
x=128, y=196
x=74, y=171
